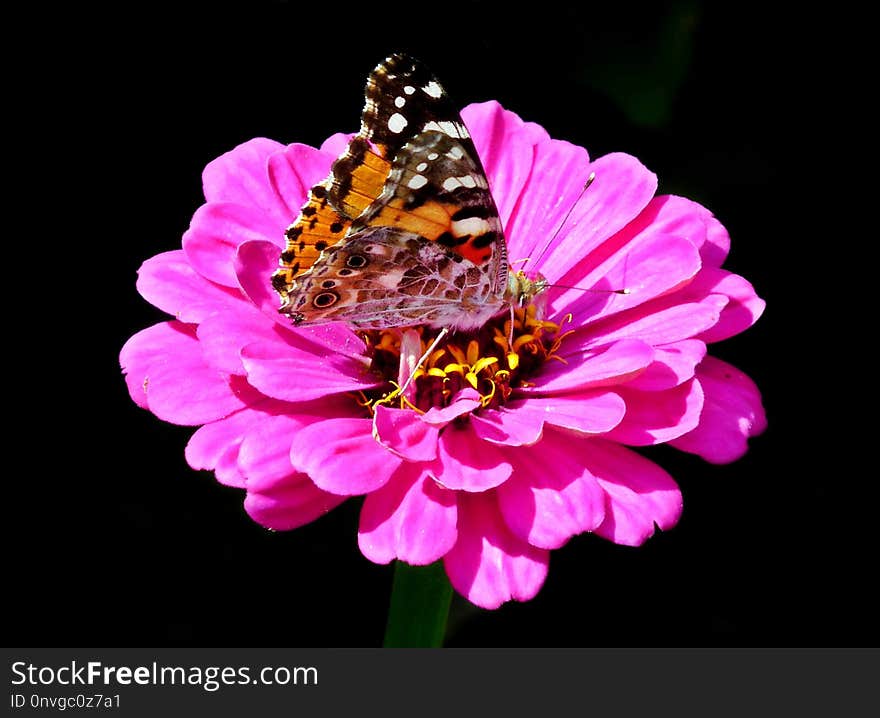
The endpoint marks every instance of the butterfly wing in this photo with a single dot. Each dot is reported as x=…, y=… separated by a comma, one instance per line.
x=412, y=168
x=385, y=277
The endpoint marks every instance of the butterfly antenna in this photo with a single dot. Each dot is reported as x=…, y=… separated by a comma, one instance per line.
x=567, y=215
x=591, y=289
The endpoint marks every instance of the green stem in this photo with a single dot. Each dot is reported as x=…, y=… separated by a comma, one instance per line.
x=420, y=598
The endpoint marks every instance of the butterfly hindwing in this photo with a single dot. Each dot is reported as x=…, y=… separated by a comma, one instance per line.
x=385, y=277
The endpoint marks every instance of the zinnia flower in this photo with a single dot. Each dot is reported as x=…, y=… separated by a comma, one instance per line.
x=499, y=451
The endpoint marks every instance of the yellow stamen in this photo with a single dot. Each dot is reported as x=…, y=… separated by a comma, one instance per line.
x=457, y=353
x=473, y=352
x=521, y=340
x=495, y=361
x=486, y=399
x=483, y=363
x=436, y=357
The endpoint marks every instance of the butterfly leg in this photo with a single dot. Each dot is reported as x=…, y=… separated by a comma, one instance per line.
x=512, y=323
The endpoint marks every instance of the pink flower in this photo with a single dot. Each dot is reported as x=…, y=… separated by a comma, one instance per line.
x=515, y=455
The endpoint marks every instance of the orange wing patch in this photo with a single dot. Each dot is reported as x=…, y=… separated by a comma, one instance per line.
x=434, y=220
x=320, y=225
x=358, y=178
x=317, y=227
x=430, y=219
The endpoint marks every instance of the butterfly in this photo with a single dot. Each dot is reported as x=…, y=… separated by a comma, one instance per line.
x=404, y=231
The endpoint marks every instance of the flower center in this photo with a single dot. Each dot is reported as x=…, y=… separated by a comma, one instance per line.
x=494, y=361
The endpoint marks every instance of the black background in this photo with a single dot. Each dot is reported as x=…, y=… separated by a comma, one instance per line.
x=115, y=541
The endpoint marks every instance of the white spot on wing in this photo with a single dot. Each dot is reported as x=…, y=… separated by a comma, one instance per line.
x=422, y=166
x=397, y=123
x=399, y=101
x=433, y=89
x=417, y=181
x=468, y=181
x=450, y=129
x=472, y=225
x=432, y=156
x=450, y=183
x=409, y=89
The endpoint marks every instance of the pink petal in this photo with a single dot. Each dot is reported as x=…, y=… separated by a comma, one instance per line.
x=265, y=451
x=511, y=428
x=717, y=244
x=663, y=321
x=293, y=172
x=467, y=400
x=223, y=335
x=547, y=507
x=336, y=144
x=468, y=463
x=681, y=217
x=179, y=387
x=215, y=232
x=141, y=351
x=187, y=392
x=654, y=417
x=505, y=146
x=591, y=368
x=341, y=456
x=168, y=282
x=288, y=503
x=241, y=176
x=639, y=494
x=594, y=411
x=292, y=369
x=743, y=307
x=405, y=434
x=650, y=266
x=489, y=564
x=558, y=175
x=622, y=188
x=732, y=412
x=216, y=446
x=667, y=216
x=254, y=264
x=673, y=364
x=411, y=519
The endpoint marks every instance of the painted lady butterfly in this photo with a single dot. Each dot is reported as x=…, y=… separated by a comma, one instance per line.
x=404, y=231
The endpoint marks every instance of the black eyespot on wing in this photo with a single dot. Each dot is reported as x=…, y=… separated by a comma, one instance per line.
x=325, y=299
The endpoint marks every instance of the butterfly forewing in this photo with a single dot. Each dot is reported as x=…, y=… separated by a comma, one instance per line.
x=412, y=170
